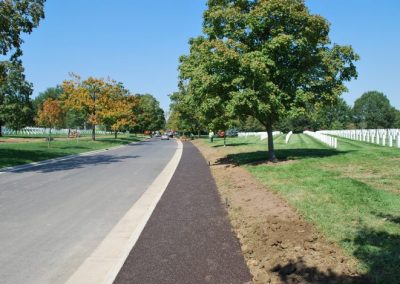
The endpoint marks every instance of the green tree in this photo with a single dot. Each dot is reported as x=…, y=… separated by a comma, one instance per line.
x=250, y=124
x=17, y=17
x=266, y=59
x=149, y=114
x=16, y=109
x=397, y=122
x=185, y=115
x=373, y=110
x=54, y=93
x=335, y=116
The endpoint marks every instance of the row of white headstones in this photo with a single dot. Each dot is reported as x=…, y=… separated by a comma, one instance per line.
x=384, y=137
x=324, y=138
x=262, y=135
x=37, y=131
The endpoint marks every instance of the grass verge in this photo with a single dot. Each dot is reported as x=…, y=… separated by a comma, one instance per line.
x=352, y=194
x=13, y=154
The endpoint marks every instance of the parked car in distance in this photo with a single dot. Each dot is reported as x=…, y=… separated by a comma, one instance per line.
x=164, y=137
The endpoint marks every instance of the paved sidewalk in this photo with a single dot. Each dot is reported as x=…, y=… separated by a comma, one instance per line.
x=188, y=238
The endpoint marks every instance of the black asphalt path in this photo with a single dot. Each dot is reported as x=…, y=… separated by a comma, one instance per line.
x=188, y=238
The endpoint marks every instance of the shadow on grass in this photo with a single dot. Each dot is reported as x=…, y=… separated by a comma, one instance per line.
x=296, y=271
x=379, y=251
x=14, y=157
x=233, y=144
x=119, y=141
x=281, y=154
x=389, y=217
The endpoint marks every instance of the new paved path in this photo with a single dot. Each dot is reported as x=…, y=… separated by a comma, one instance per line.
x=53, y=216
x=188, y=238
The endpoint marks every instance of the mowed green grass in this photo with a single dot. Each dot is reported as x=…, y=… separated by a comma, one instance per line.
x=12, y=154
x=351, y=194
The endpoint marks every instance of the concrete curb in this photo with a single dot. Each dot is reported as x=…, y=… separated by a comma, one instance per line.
x=64, y=158
x=103, y=265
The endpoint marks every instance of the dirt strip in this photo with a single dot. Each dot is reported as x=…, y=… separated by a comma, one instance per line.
x=188, y=238
x=278, y=244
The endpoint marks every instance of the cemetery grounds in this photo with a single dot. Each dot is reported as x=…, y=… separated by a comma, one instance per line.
x=319, y=215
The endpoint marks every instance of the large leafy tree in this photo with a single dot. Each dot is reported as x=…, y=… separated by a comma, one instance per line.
x=185, y=115
x=149, y=114
x=87, y=97
x=117, y=109
x=16, y=17
x=373, y=110
x=266, y=59
x=15, y=106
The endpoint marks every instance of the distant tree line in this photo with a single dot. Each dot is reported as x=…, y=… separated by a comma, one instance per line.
x=372, y=110
x=95, y=102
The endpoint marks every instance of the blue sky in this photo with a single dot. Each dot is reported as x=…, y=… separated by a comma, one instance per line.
x=139, y=42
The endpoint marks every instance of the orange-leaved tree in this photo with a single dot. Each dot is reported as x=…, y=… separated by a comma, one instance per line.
x=117, y=108
x=86, y=97
x=50, y=115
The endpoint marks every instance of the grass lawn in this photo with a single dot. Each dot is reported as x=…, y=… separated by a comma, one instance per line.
x=12, y=154
x=352, y=194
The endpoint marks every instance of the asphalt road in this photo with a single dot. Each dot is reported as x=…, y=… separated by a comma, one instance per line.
x=53, y=216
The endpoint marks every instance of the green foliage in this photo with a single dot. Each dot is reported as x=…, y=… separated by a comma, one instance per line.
x=50, y=93
x=336, y=115
x=268, y=59
x=397, y=121
x=149, y=114
x=17, y=17
x=250, y=124
x=15, y=106
x=373, y=110
x=185, y=114
x=74, y=119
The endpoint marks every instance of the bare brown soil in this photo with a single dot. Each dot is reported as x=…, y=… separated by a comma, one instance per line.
x=278, y=244
x=19, y=140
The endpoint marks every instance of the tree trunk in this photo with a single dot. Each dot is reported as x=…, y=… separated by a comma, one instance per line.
x=224, y=138
x=93, y=132
x=115, y=134
x=49, y=139
x=1, y=129
x=271, y=150
x=198, y=134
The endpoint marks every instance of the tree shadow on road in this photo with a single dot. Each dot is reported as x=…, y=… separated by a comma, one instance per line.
x=77, y=163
